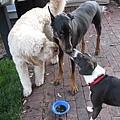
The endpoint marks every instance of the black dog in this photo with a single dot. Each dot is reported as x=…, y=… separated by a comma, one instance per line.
x=69, y=29
x=104, y=88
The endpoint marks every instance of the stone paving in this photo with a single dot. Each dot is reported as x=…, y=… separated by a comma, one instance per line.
x=38, y=105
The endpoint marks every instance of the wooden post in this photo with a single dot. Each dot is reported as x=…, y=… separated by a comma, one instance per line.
x=5, y=27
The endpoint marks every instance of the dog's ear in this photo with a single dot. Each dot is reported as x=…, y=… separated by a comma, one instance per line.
x=70, y=16
x=52, y=16
x=87, y=69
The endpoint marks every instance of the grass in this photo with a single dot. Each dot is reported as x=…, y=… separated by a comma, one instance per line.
x=10, y=91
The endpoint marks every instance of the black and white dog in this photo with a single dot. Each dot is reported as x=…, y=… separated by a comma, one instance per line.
x=103, y=88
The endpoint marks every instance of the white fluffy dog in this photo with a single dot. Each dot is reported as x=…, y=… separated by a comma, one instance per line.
x=30, y=41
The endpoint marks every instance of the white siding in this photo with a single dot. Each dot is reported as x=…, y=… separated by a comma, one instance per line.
x=78, y=2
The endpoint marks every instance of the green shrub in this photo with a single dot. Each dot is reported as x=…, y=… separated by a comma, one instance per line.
x=10, y=91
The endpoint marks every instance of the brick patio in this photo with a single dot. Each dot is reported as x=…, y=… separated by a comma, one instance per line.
x=38, y=105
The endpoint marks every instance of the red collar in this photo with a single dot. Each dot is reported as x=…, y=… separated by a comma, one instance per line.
x=96, y=80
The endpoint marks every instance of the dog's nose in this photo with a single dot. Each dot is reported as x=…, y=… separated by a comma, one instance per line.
x=55, y=49
x=68, y=51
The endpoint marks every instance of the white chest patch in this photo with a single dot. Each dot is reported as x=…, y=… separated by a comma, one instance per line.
x=96, y=73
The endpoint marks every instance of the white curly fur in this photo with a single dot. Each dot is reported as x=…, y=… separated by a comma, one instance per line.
x=30, y=41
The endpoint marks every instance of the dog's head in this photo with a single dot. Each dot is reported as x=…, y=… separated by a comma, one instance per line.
x=84, y=61
x=48, y=51
x=42, y=50
x=61, y=24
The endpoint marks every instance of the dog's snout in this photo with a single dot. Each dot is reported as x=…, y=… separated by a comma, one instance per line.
x=75, y=53
x=56, y=49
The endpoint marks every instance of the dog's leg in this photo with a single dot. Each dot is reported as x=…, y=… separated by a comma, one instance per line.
x=22, y=69
x=83, y=45
x=96, y=111
x=74, y=88
x=98, y=29
x=39, y=73
x=60, y=75
x=97, y=105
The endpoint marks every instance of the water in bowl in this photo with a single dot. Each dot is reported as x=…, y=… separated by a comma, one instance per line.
x=61, y=108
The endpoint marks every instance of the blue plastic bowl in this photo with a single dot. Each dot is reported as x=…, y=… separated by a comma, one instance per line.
x=60, y=103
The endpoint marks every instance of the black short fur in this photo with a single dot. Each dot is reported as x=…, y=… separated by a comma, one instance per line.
x=69, y=29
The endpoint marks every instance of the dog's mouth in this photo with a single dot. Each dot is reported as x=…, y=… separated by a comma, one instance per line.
x=75, y=53
x=56, y=53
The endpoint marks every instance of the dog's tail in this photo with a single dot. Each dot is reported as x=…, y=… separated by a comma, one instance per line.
x=57, y=6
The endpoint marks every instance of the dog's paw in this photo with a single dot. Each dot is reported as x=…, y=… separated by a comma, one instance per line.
x=39, y=83
x=56, y=83
x=73, y=89
x=89, y=109
x=55, y=60
x=27, y=92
